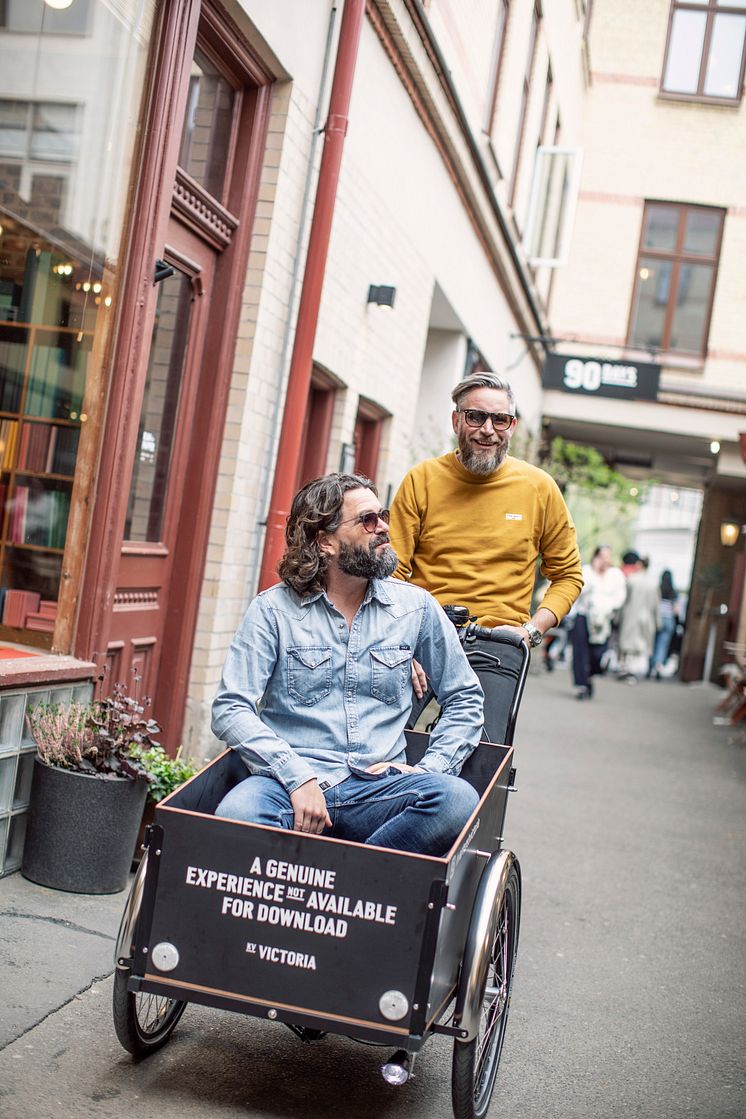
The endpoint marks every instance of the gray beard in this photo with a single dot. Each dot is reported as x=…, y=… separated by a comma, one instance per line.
x=482, y=464
x=364, y=563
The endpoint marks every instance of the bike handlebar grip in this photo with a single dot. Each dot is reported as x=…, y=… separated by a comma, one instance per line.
x=499, y=633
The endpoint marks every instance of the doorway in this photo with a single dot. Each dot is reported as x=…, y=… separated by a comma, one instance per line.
x=153, y=532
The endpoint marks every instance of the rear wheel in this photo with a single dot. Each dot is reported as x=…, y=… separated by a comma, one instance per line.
x=475, y=1062
x=143, y=1022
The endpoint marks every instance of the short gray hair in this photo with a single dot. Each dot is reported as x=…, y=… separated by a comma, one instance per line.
x=482, y=381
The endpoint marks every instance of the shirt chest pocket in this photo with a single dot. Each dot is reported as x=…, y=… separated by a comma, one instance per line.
x=390, y=672
x=309, y=673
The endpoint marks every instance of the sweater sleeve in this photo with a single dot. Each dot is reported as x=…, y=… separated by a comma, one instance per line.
x=405, y=526
x=560, y=557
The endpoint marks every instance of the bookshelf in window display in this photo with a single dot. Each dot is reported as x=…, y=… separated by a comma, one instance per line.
x=42, y=381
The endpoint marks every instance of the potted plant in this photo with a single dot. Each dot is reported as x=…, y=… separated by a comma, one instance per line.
x=88, y=792
x=164, y=775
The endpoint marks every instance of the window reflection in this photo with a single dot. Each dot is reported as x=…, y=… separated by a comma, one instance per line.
x=66, y=141
x=205, y=140
x=155, y=445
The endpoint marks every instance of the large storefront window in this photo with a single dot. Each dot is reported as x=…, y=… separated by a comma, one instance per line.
x=70, y=95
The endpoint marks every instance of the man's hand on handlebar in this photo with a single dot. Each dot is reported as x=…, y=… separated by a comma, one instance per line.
x=308, y=803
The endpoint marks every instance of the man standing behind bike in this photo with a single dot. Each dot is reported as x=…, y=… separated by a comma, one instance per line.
x=470, y=525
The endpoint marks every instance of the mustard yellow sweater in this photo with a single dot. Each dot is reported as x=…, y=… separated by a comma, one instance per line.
x=474, y=541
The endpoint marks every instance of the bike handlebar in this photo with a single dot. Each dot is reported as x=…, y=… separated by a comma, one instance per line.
x=469, y=630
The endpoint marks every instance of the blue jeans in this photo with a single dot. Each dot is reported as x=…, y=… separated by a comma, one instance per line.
x=420, y=812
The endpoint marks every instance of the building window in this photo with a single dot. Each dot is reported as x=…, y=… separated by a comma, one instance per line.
x=317, y=427
x=367, y=438
x=525, y=95
x=498, y=52
x=209, y=125
x=675, y=278
x=551, y=205
x=705, y=50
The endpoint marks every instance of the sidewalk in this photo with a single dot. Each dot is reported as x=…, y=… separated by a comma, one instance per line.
x=59, y=1055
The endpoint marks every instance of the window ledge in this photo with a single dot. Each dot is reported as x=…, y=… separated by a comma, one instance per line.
x=700, y=99
x=45, y=668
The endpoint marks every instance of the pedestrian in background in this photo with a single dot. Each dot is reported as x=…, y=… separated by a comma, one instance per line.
x=667, y=620
x=638, y=624
x=602, y=595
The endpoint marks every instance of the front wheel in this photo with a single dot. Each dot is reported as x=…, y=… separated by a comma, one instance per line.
x=475, y=1062
x=143, y=1022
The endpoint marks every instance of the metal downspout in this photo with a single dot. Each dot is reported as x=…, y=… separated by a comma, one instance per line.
x=299, y=377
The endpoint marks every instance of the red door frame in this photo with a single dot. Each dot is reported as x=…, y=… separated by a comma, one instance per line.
x=175, y=37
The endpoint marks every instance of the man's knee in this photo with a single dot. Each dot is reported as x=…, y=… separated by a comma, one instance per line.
x=257, y=800
x=457, y=795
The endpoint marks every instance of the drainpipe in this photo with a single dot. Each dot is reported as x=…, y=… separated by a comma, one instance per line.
x=299, y=377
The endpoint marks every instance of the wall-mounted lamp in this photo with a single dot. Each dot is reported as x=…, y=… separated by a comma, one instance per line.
x=729, y=533
x=381, y=295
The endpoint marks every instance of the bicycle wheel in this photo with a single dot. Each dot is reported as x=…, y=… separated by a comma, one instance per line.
x=143, y=1022
x=475, y=1062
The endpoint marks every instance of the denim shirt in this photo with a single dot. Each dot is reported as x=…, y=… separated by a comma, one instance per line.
x=303, y=696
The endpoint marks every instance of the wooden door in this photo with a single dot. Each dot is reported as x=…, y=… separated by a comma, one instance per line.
x=165, y=452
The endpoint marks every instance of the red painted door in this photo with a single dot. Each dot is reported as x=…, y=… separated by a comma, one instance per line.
x=165, y=449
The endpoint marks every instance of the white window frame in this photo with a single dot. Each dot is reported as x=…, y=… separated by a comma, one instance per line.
x=567, y=214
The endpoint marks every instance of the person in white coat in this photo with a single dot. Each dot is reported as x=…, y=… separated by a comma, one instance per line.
x=602, y=595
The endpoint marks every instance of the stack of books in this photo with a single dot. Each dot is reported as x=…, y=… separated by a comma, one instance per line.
x=47, y=449
x=18, y=605
x=43, y=619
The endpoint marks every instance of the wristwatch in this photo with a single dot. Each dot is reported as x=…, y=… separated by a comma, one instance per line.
x=535, y=636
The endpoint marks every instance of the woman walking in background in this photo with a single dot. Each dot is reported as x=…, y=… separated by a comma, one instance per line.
x=602, y=595
x=667, y=619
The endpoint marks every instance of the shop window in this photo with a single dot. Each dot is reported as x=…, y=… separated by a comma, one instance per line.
x=705, y=50
x=675, y=277
x=61, y=216
x=208, y=126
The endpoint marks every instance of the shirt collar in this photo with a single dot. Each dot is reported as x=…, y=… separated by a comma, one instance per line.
x=376, y=589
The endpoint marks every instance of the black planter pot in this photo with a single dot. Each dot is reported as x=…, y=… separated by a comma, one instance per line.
x=81, y=830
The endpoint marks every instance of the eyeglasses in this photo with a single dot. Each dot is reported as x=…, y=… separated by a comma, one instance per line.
x=501, y=421
x=369, y=521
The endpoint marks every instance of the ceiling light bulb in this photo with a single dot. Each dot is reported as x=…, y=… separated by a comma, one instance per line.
x=58, y=5
x=714, y=447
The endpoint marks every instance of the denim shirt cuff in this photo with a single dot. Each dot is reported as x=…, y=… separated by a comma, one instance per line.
x=434, y=763
x=291, y=771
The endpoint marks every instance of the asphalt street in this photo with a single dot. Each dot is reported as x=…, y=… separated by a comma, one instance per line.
x=629, y=991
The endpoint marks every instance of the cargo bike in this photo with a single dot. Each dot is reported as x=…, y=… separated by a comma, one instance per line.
x=329, y=936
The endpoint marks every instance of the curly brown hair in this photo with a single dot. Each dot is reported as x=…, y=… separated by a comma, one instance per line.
x=317, y=507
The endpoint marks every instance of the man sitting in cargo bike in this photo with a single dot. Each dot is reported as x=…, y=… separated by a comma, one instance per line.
x=316, y=689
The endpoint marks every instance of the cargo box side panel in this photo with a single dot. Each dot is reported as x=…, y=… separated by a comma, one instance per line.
x=285, y=919
x=465, y=869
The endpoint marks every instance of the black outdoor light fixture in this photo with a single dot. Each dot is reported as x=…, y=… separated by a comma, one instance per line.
x=381, y=295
